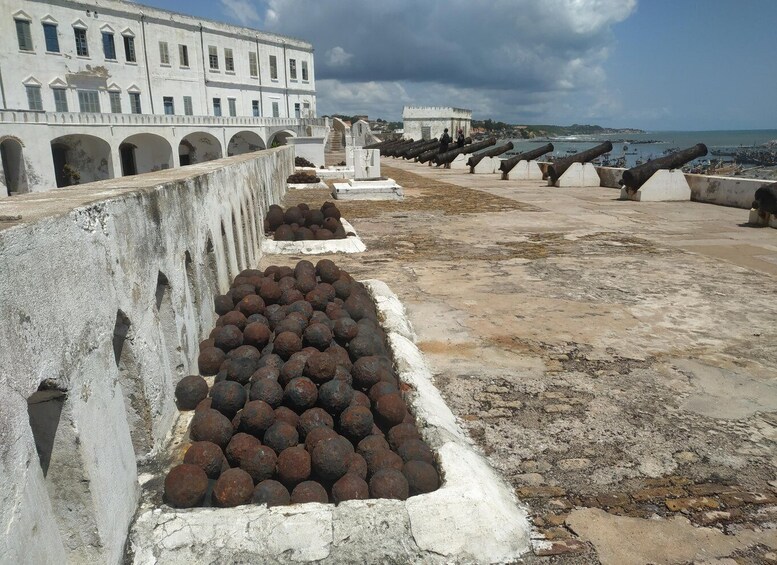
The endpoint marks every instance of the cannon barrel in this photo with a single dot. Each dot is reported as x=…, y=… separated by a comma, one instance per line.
x=418, y=148
x=435, y=151
x=509, y=164
x=448, y=156
x=766, y=199
x=400, y=151
x=379, y=144
x=637, y=176
x=392, y=151
x=557, y=168
x=495, y=152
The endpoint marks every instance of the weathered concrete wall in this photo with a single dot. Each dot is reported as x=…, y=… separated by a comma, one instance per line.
x=106, y=290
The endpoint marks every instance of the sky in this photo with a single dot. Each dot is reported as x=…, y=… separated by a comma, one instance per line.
x=649, y=64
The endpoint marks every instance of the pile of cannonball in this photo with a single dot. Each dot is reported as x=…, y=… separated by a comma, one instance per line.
x=302, y=162
x=305, y=404
x=303, y=177
x=300, y=222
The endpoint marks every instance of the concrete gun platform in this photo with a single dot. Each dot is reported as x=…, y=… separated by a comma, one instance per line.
x=615, y=361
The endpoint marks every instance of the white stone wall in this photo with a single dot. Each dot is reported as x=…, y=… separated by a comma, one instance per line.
x=436, y=118
x=78, y=265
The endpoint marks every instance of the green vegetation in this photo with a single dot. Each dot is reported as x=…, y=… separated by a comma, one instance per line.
x=531, y=131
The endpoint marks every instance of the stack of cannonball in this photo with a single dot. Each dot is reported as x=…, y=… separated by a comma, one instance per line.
x=305, y=405
x=300, y=222
x=303, y=177
x=302, y=162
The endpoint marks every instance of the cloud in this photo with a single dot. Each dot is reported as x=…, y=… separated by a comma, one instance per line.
x=243, y=11
x=521, y=58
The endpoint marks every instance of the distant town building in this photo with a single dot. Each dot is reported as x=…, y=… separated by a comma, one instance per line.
x=428, y=122
x=105, y=88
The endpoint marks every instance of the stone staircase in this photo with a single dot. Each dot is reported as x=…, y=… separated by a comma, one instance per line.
x=335, y=141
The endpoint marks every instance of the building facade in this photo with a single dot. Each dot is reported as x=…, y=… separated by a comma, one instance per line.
x=428, y=122
x=65, y=64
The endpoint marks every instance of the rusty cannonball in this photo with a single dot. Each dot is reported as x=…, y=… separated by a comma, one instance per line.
x=190, y=391
x=335, y=396
x=292, y=369
x=314, y=418
x=204, y=405
x=360, y=399
x=357, y=465
x=239, y=292
x=401, y=433
x=330, y=210
x=206, y=455
x=272, y=272
x=359, y=305
x=222, y=303
x=274, y=314
x=334, y=311
x=300, y=394
x=235, y=318
x=421, y=477
x=327, y=271
x=228, y=337
x=350, y=487
x=266, y=390
x=280, y=436
x=320, y=367
x=356, y=422
x=242, y=365
x=316, y=435
x=343, y=375
x=304, y=267
x=284, y=233
x=293, y=215
x=260, y=463
x=318, y=336
x=317, y=299
x=271, y=493
x=331, y=224
x=391, y=410
x=205, y=343
x=185, y=486
x=306, y=283
x=366, y=371
x=382, y=459
x=291, y=324
x=286, y=343
x=301, y=306
x=286, y=414
x=270, y=291
x=309, y=491
x=320, y=317
x=324, y=234
x=367, y=343
x=304, y=234
x=330, y=458
x=209, y=360
x=371, y=444
x=284, y=271
x=256, y=417
x=293, y=466
x=340, y=232
x=286, y=282
x=415, y=450
x=257, y=335
x=381, y=388
x=389, y=483
x=228, y=397
x=341, y=356
x=272, y=360
x=274, y=218
x=265, y=372
x=233, y=488
x=251, y=304
x=241, y=444
x=342, y=289
x=290, y=296
x=257, y=319
x=211, y=425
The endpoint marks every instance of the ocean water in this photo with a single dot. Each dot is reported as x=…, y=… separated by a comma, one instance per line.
x=651, y=145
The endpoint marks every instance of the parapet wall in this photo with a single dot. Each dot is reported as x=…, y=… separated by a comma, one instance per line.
x=107, y=289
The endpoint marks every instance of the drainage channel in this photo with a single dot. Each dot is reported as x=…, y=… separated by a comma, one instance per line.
x=315, y=433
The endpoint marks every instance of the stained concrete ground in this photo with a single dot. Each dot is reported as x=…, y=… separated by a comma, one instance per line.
x=615, y=361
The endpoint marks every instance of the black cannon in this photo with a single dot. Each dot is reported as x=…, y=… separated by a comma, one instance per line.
x=414, y=152
x=392, y=151
x=766, y=199
x=435, y=151
x=637, y=176
x=509, y=164
x=557, y=168
x=378, y=144
x=495, y=152
x=448, y=156
x=400, y=151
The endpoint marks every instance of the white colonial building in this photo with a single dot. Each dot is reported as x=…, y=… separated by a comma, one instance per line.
x=428, y=122
x=105, y=88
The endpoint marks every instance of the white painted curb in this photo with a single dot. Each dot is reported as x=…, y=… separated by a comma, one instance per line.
x=351, y=244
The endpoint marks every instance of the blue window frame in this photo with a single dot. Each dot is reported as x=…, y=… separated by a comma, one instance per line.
x=52, y=40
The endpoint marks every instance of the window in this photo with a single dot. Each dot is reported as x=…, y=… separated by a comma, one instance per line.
x=304, y=70
x=273, y=67
x=183, y=55
x=306, y=110
x=135, y=102
x=229, y=61
x=109, y=47
x=52, y=40
x=232, y=107
x=253, y=65
x=297, y=111
x=60, y=100
x=82, y=48
x=187, y=105
x=115, y=98
x=255, y=108
x=276, y=112
x=217, y=106
x=213, y=57
x=129, y=49
x=24, y=35
x=164, y=54
x=89, y=101
x=167, y=102
x=293, y=69
x=33, y=98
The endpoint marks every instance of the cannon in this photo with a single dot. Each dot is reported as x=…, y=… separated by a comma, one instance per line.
x=508, y=164
x=414, y=152
x=448, y=156
x=495, y=152
x=766, y=199
x=637, y=176
x=391, y=144
x=434, y=151
x=392, y=151
x=401, y=150
x=557, y=168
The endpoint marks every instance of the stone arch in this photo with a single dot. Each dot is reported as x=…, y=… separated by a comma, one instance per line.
x=81, y=158
x=245, y=142
x=198, y=147
x=144, y=153
x=13, y=170
x=279, y=138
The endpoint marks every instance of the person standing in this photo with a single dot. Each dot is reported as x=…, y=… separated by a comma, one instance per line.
x=460, y=138
x=444, y=141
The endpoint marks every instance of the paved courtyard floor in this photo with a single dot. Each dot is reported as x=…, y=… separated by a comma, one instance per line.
x=616, y=362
